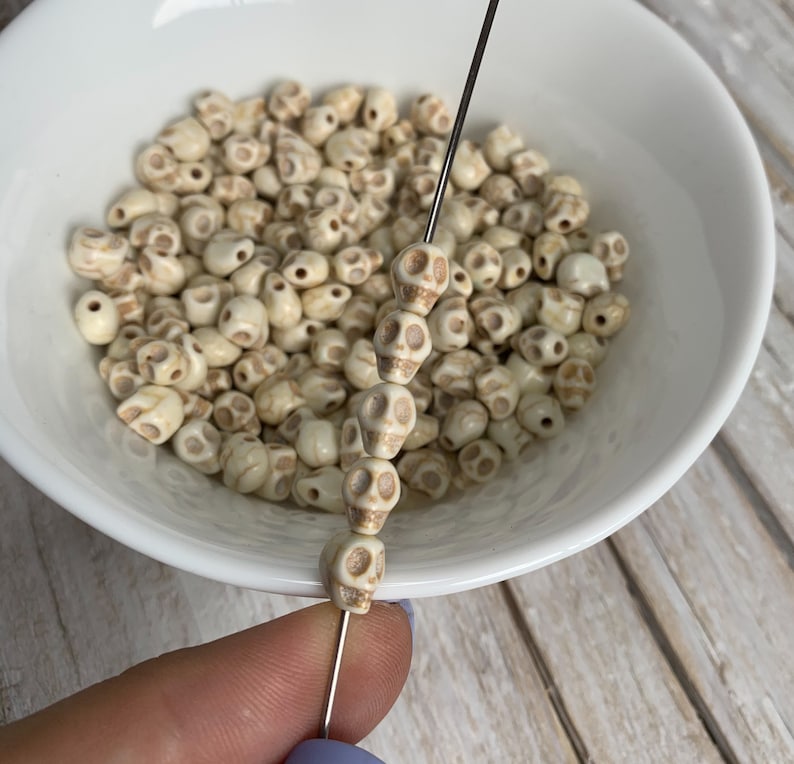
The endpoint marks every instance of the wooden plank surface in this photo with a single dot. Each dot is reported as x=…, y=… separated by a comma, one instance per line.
x=721, y=597
x=670, y=642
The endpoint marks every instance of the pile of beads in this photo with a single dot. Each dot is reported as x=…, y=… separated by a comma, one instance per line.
x=263, y=308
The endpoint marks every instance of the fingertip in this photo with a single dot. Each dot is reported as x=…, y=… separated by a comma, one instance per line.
x=375, y=668
x=252, y=696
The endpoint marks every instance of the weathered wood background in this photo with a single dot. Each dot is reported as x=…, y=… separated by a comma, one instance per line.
x=670, y=642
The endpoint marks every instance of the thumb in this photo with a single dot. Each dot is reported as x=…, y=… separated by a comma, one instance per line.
x=250, y=697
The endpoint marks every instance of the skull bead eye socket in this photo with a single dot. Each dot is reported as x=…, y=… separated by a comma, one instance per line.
x=403, y=410
x=158, y=353
x=389, y=331
x=415, y=262
x=193, y=445
x=349, y=434
x=359, y=481
x=494, y=321
x=415, y=337
x=440, y=270
x=358, y=561
x=387, y=486
x=376, y=405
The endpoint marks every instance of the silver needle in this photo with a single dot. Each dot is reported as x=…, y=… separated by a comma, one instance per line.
x=460, y=117
x=341, y=635
x=432, y=221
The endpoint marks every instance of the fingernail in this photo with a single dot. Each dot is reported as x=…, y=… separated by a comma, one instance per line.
x=408, y=607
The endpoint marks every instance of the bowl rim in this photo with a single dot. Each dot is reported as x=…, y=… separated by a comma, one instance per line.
x=202, y=558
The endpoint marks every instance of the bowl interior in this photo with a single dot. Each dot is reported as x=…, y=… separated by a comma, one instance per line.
x=661, y=150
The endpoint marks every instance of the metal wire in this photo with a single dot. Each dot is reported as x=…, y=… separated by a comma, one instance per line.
x=341, y=635
x=457, y=128
x=432, y=221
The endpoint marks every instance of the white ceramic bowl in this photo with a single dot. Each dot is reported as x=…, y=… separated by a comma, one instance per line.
x=601, y=86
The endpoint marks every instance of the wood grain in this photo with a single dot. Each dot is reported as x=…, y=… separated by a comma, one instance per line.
x=78, y=607
x=722, y=595
x=626, y=703
x=749, y=45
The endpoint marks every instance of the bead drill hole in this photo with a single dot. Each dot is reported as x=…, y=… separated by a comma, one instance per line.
x=94, y=306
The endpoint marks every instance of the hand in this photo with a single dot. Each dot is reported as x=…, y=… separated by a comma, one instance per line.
x=250, y=697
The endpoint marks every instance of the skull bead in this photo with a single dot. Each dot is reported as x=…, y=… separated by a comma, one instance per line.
x=420, y=274
x=450, y=324
x=198, y=444
x=425, y=471
x=351, y=567
x=402, y=344
x=386, y=414
x=574, y=383
x=370, y=490
x=154, y=412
